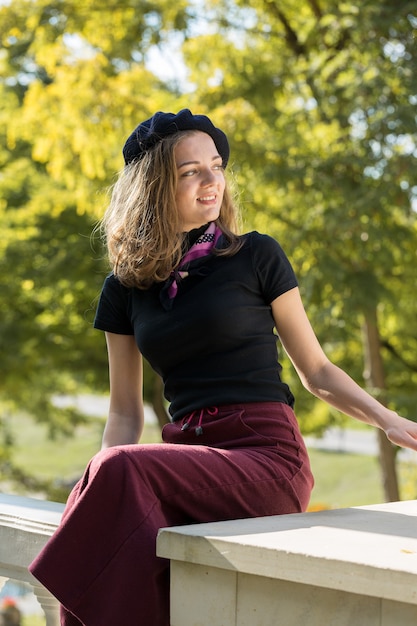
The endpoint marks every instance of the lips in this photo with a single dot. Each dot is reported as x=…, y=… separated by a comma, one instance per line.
x=211, y=198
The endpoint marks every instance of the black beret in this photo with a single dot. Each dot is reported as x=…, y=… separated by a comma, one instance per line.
x=160, y=125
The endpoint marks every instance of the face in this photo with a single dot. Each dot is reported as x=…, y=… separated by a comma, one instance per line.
x=201, y=181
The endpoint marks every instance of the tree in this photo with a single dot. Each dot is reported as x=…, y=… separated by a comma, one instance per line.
x=65, y=105
x=318, y=98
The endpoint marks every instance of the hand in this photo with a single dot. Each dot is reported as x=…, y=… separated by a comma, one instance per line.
x=402, y=432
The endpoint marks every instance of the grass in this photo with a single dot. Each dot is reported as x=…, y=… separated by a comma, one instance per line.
x=343, y=480
x=36, y=453
x=33, y=620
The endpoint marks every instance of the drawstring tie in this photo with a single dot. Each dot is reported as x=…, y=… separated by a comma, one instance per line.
x=186, y=422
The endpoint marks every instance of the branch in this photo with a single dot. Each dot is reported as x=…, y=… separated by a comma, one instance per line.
x=386, y=344
x=315, y=8
x=290, y=34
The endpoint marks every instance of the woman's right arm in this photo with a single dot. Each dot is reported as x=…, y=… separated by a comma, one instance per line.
x=126, y=417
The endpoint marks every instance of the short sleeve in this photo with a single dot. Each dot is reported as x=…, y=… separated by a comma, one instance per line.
x=272, y=266
x=112, y=313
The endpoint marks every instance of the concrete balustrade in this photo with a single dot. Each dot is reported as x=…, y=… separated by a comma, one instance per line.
x=339, y=567
x=25, y=526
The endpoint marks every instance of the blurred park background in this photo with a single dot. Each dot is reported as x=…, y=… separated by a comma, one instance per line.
x=319, y=101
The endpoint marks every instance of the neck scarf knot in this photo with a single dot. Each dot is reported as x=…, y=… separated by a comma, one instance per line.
x=201, y=248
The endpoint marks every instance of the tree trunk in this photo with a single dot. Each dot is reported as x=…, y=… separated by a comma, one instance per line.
x=375, y=380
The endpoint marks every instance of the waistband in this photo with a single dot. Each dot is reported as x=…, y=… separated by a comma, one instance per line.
x=264, y=409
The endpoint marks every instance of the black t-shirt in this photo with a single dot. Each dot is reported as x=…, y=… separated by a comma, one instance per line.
x=217, y=344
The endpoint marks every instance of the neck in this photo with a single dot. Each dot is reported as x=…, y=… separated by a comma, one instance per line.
x=192, y=235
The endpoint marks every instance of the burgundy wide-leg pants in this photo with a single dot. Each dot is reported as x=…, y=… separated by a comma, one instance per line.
x=230, y=462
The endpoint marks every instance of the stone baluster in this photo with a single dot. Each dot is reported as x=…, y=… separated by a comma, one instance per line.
x=48, y=603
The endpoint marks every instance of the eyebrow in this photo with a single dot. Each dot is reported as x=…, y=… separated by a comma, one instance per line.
x=196, y=162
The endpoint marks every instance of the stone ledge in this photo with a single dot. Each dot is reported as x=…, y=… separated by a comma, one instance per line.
x=29, y=513
x=370, y=550
x=26, y=525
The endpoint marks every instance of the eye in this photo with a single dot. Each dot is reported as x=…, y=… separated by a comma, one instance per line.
x=188, y=173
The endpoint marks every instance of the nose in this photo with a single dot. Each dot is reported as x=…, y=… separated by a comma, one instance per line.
x=208, y=178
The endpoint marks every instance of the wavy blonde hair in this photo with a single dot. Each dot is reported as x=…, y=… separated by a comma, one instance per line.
x=142, y=227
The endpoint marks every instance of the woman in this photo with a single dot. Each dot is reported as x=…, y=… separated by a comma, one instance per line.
x=200, y=303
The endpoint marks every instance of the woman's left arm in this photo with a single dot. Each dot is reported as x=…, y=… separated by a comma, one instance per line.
x=327, y=381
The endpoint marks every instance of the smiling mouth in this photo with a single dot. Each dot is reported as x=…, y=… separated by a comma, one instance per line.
x=211, y=198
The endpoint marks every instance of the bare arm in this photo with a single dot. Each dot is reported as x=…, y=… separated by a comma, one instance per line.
x=327, y=381
x=125, y=420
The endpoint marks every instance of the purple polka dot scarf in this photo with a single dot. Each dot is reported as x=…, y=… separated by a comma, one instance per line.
x=201, y=248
